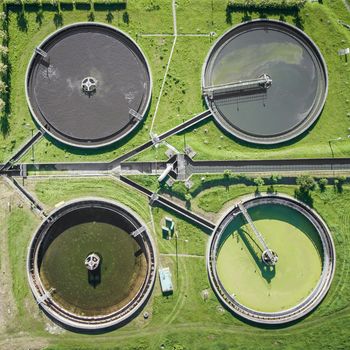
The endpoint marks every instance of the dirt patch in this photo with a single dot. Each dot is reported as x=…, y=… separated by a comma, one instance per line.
x=8, y=200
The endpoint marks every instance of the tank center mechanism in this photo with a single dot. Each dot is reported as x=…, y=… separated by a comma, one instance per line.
x=269, y=257
x=92, y=262
x=249, y=86
x=89, y=85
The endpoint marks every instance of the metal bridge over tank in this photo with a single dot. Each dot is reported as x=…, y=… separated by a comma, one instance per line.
x=259, y=84
x=45, y=296
x=138, y=232
x=268, y=256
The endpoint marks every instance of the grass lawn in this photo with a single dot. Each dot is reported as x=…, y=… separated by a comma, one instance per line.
x=27, y=31
x=54, y=191
x=181, y=97
x=184, y=319
x=320, y=22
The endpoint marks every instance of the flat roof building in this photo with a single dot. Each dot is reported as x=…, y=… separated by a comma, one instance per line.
x=165, y=280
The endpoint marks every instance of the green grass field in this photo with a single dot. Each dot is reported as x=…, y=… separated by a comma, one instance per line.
x=181, y=96
x=181, y=321
x=184, y=320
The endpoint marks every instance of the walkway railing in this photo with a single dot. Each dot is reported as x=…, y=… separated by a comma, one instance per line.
x=255, y=230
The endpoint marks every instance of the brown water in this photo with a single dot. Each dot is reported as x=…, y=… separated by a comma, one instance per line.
x=123, y=268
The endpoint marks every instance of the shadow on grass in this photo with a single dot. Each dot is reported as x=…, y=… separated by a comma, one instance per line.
x=49, y=7
x=31, y=7
x=91, y=17
x=304, y=196
x=4, y=125
x=65, y=6
x=22, y=21
x=58, y=19
x=109, y=17
x=126, y=18
x=110, y=6
x=39, y=18
x=264, y=12
x=293, y=10
x=82, y=6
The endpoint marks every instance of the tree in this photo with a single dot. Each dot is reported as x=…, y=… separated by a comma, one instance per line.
x=3, y=68
x=341, y=178
x=188, y=197
x=338, y=183
x=323, y=183
x=259, y=181
x=3, y=87
x=3, y=50
x=227, y=174
x=275, y=178
x=2, y=105
x=306, y=183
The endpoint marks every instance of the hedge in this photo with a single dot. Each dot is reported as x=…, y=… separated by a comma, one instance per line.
x=262, y=5
x=56, y=2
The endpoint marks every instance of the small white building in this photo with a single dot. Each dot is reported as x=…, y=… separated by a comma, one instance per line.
x=165, y=280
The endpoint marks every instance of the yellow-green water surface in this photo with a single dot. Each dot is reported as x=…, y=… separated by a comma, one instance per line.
x=297, y=244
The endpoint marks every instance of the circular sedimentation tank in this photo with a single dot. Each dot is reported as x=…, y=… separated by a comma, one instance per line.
x=91, y=264
x=88, y=85
x=266, y=293
x=265, y=81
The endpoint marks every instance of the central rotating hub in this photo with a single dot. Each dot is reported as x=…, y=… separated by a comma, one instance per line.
x=92, y=261
x=269, y=257
x=88, y=85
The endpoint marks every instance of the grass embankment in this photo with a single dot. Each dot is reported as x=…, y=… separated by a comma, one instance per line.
x=28, y=29
x=21, y=226
x=181, y=96
x=54, y=191
x=185, y=319
x=320, y=22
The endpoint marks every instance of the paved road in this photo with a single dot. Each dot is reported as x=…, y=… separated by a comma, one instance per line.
x=275, y=165
x=281, y=166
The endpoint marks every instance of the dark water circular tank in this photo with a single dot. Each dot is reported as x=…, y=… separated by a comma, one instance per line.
x=299, y=81
x=64, y=107
x=112, y=294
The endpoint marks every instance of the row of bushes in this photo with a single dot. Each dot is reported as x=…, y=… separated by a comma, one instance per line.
x=262, y=5
x=4, y=73
x=308, y=183
x=121, y=3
